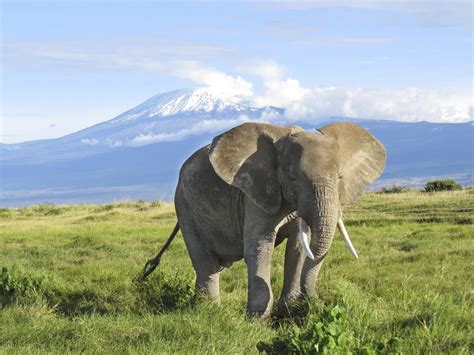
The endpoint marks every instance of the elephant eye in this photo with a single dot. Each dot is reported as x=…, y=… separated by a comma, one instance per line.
x=289, y=174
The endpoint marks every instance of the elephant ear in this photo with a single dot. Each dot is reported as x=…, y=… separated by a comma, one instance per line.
x=245, y=157
x=361, y=159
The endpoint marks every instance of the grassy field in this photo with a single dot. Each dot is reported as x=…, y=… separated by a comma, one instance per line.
x=68, y=281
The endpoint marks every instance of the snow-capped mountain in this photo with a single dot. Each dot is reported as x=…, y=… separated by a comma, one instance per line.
x=171, y=116
x=137, y=155
x=165, y=117
x=184, y=101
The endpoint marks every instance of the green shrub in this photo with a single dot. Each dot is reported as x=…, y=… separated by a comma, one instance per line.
x=327, y=333
x=390, y=346
x=6, y=213
x=330, y=334
x=395, y=189
x=18, y=288
x=442, y=185
x=162, y=291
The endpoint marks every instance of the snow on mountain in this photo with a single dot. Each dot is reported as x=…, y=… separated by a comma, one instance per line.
x=184, y=101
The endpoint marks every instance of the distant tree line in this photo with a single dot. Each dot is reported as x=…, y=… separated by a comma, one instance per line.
x=431, y=186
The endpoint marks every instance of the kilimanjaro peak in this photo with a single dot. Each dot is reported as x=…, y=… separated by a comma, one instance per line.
x=165, y=117
x=185, y=101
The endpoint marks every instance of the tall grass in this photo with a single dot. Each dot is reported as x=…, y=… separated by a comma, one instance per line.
x=68, y=280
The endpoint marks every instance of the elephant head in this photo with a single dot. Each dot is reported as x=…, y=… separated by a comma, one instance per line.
x=315, y=172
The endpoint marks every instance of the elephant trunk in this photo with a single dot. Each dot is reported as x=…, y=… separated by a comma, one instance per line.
x=323, y=218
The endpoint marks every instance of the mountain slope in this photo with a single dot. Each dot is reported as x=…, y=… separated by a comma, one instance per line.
x=107, y=162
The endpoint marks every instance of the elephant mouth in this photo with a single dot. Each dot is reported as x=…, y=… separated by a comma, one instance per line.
x=303, y=236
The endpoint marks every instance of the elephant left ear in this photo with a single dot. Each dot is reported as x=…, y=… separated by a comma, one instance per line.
x=361, y=159
x=245, y=157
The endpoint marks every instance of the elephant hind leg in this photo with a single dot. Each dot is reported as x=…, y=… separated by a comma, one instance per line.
x=205, y=264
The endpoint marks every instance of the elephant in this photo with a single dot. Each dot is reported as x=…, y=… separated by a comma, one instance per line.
x=258, y=184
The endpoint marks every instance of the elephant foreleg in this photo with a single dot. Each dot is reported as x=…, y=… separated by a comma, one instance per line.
x=259, y=240
x=257, y=256
x=294, y=260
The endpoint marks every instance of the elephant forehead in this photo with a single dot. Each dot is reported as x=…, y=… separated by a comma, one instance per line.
x=317, y=152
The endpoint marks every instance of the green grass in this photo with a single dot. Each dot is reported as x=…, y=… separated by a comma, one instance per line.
x=68, y=283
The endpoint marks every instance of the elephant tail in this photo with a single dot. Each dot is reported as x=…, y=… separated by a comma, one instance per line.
x=153, y=263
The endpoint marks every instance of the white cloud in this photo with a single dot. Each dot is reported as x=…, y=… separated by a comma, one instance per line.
x=205, y=126
x=267, y=69
x=224, y=83
x=113, y=143
x=90, y=141
x=408, y=104
x=277, y=91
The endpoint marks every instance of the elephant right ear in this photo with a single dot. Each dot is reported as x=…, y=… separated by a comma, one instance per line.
x=362, y=159
x=245, y=157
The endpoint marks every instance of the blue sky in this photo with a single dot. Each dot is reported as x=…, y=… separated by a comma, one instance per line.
x=66, y=65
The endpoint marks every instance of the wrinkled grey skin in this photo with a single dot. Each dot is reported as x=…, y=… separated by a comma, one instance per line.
x=239, y=197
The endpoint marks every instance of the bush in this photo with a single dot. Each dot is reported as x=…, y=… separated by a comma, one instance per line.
x=17, y=288
x=328, y=333
x=442, y=185
x=395, y=189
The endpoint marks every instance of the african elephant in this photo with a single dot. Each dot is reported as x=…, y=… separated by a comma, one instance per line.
x=258, y=184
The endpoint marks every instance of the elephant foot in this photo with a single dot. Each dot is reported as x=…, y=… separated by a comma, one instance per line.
x=292, y=307
x=207, y=286
x=259, y=314
x=261, y=310
x=204, y=295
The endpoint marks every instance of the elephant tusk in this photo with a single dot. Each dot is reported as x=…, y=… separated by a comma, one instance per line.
x=346, y=237
x=303, y=237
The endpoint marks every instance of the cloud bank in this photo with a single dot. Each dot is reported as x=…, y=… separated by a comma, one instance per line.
x=204, y=126
x=316, y=103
